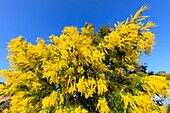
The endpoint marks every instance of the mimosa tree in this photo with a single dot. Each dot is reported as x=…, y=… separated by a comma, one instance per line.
x=81, y=71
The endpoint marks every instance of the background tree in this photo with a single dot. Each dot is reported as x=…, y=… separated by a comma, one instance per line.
x=83, y=71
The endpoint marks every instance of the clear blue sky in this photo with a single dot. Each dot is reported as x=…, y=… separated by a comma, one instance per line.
x=41, y=18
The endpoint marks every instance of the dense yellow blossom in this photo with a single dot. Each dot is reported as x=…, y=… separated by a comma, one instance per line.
x=81, y=71
x=54, y=99
x=101, y=85
x=138, y=104
x=76, y=109
x=152, y=85
x=102, y=106
x=88, y=87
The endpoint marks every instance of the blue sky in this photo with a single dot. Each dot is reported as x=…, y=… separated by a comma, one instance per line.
x=41, y=18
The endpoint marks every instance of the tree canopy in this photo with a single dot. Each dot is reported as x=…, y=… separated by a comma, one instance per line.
x=81, y=71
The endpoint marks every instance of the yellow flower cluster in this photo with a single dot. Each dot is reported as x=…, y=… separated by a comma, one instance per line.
x=87, y=87
x=102, y=106
x=102, y=88
x=141, y=104
x=155, y=84
x=53, y=100
x=82, y=71
x=1, y=88
x=71, y=110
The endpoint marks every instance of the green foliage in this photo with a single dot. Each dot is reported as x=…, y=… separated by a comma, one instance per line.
x=4, y=105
